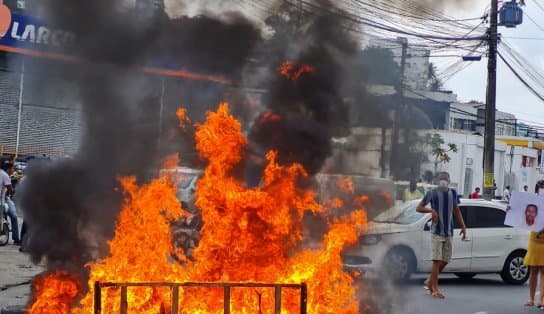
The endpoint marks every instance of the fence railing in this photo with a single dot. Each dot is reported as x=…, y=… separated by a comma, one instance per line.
x=175, y=302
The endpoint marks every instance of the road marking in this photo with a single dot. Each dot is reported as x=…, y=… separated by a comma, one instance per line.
x=480, y=313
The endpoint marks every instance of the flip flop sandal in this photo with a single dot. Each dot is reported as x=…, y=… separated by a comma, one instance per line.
x=426, y=286
x=541, y=307
x=529, y=303
x=437, y=295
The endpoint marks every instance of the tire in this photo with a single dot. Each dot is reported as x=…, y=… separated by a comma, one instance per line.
x=465, y=275
x=514, y=272
x=399, y=264
x=4, y=234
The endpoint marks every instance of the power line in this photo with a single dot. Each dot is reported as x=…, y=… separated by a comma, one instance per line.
x=537, y=94
x=534, y=22
x=374, y=24
x=523, y=38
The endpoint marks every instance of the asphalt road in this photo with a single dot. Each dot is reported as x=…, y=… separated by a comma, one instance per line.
x=484, y=294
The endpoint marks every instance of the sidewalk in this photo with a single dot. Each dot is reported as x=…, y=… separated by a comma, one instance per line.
x=16, y=271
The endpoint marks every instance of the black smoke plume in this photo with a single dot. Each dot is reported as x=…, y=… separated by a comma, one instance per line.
x=71, y=205
x=307, y=100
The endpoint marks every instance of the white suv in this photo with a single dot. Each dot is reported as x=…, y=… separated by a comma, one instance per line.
x=398, y=244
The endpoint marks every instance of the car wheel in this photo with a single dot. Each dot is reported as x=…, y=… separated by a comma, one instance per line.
x=4, y=234
x=399, y=264
x=465, y=275
x=514, y=272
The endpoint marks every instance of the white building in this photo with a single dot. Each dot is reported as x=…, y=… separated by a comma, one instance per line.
x=523, y=161
x=466, y=165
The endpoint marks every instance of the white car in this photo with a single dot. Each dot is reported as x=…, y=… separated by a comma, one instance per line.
x=398, y=244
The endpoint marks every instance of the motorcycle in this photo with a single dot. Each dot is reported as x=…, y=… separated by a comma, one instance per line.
x=4, y=225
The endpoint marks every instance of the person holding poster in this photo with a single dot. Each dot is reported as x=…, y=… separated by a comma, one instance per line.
x=524, y=210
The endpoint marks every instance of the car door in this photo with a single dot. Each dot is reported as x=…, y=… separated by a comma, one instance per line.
x=491, y=239
x=462, y=249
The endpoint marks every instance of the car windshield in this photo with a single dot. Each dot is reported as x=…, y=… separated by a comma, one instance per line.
x=405, y=216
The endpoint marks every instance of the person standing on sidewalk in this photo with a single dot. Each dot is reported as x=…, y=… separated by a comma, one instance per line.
x=412, y=193
x=444, y=205
x=475, y=194
x=6, y=192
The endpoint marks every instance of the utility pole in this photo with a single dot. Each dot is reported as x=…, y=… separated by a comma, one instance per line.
x=489, y=136
x=20, y=107
x=400, y=106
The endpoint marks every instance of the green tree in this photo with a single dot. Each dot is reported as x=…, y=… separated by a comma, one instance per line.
x=439, y=152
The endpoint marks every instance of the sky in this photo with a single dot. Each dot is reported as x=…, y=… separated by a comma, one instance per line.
x=512, y=96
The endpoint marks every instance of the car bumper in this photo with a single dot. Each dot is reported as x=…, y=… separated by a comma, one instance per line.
x=364, y=264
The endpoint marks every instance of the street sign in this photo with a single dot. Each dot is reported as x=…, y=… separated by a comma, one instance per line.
x=488, y=180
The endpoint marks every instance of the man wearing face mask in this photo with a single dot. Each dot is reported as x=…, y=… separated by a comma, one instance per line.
x=444, y=205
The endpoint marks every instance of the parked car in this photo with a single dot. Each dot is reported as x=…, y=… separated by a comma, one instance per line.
x=398, y=244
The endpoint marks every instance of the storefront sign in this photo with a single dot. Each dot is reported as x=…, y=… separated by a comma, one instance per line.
x=21, y=31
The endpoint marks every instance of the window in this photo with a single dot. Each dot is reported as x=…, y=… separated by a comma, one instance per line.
x=468, y=125
x=458, y=124
x=484, y=217
x=499, y=129
x=464, y=214
x=408, y=215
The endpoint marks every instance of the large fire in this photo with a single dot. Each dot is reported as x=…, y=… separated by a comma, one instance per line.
x=249, y=235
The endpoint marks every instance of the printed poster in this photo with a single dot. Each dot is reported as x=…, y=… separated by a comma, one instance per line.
x=526, y=212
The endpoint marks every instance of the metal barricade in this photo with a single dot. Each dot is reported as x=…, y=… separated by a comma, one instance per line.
x=98, y=286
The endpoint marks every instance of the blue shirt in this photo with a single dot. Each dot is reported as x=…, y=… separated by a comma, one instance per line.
x=443, y=202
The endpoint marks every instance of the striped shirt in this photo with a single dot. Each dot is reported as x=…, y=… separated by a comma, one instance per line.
x=443, y=202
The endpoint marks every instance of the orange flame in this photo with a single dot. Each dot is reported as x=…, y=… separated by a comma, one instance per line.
x=346, y=185
x=54, y=293
x=293, y=71
x=184, y=120
x=249, y=235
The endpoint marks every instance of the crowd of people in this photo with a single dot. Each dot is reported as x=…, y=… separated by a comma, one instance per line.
x=9, y=179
